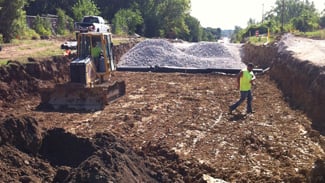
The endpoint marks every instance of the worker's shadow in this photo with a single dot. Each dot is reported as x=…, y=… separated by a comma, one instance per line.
x=237, y=117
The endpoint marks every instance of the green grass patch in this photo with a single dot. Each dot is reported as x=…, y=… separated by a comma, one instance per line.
x=320, y=34
x=21, y=50
x=3, y=62
x=118, y=41
x=260, y=40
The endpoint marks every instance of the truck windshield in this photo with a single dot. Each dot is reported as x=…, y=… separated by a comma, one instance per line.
x=91, y=20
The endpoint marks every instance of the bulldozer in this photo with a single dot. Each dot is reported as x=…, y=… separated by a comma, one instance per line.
x=90, y=87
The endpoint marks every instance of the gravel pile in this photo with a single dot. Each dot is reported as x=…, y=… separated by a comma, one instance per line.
x=208, y=50
x=159, y=52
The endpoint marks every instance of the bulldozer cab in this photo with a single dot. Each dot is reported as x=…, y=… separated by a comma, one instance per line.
x=102, y=41
x=95, y=57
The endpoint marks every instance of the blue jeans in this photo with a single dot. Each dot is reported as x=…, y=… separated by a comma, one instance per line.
x=243, y=96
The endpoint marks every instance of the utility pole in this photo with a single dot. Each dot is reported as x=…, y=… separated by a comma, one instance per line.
x=282, y=16
x=262, y=12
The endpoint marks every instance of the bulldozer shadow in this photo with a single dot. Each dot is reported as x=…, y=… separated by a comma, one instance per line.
x=62, y=109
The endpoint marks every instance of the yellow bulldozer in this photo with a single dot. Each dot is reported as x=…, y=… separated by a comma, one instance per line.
x=90, y=86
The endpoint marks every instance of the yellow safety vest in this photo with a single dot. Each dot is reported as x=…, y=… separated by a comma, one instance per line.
x=95, y=52
x=245, y=80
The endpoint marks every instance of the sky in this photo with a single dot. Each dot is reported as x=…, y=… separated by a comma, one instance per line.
x=226, y=14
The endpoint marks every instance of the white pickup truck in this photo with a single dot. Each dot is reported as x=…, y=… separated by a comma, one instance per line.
x=93, y=24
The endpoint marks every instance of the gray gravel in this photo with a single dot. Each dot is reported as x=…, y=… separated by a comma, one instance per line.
x=208, y=50
x=159, y=52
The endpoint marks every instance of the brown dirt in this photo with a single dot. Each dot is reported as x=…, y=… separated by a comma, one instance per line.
x=167, y=128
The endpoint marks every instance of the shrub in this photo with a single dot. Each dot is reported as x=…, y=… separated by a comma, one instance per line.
x=42, y=26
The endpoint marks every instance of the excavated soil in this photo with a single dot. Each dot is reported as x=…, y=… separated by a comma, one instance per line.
x=171, y=127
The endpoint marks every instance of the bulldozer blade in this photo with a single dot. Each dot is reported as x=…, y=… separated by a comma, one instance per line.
x=77, y=97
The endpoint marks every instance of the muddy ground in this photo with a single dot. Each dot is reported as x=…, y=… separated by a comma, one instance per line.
x=171, y=127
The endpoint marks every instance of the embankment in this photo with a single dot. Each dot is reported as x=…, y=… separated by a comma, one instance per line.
x=301, y=81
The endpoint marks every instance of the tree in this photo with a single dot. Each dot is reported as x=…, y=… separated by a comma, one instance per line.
x=300, y=13
x=251, y=22
x=152, y=20
x=196, y=31
x=237, y=36
x=109, y=8
x=126, y=21
x=10, y=18
x=64, y=22
x=212, y=34
x=19, y=26
x=305, y=22
x=208, y=35
x=83, y=8
x=42, y=26
x=39, y=7
x=322, y=21
x=173, y=13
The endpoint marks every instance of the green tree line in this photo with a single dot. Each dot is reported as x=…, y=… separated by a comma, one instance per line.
x=149, y=18
x=286, y=16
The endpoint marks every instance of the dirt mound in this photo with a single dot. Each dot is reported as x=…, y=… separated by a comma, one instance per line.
x=103, y=158
x=20, y=80
x=59, y=156
x=21, y=139
x=23, y=133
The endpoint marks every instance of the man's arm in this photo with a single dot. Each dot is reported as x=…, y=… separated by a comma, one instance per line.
x=253, y=78
x=239, y=75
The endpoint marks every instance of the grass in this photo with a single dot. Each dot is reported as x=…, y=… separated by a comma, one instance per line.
x=260, y=40
x=3, y=62
x=21, y=50
x=320, y=34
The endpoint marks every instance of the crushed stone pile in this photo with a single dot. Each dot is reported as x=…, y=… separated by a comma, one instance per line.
x=208, y=50
x=160, y=52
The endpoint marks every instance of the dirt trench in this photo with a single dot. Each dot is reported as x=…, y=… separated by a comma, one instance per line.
x=301, y=81
x=152, y=134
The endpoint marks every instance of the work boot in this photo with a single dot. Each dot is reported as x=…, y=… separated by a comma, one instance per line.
x=230, y=110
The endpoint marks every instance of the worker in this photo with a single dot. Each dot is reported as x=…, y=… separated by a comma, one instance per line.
x=95, y=50
x=245, y=79
x=95, y=53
